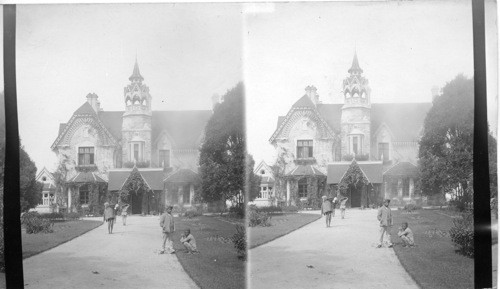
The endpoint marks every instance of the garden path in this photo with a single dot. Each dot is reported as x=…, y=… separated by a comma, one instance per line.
x=342, y=256
x=125, y=259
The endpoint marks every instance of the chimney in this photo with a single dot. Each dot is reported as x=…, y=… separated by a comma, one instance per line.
x=311, y=93
x=92, y=100
x=435, y=92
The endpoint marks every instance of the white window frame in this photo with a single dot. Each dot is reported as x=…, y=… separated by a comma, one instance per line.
x=141, y=151
x=360, y=138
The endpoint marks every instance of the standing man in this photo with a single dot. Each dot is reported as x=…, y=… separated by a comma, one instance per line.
x=124, y=213
x=385, y=218
x=343, y=202
x=326, y=209
x=167, y=224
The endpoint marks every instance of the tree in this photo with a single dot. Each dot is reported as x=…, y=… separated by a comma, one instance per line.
x=222, y=154
x=31, y=190
x=279, y=168
x=253, y=180
x=446, y=147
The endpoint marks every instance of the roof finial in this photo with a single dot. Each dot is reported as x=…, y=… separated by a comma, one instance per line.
x=355, y=64
x=136, y=74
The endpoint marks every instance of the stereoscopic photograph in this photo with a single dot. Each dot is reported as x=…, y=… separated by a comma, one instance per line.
x=249, y=145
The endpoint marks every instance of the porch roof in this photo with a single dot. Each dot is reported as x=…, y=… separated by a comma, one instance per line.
x=182, y=176
x=86, y=177
x=305, y=170
x=402, y=169
x=266, y=180
x=153, y=177
x=372, y=171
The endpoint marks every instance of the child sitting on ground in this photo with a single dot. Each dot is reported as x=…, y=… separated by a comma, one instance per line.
x=406, y=235
x=189, y=242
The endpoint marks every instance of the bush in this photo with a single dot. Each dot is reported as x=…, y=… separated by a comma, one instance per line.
x=258, y=219
x=411, y=207
x=462, y=234
x=71, y=216
x=191, y=214
x=237, y=211
x=269, y=209
x=240, y=241
x=34, y=223
x=52, y=216
x=290, y=209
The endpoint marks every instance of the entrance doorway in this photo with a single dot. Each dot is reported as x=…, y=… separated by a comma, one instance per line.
x=355, y=196
x=136, y=203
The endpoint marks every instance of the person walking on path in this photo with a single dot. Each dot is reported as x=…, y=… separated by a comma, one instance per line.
x=343, y=201
x=109, y=216
x=326, y=209
x=385, y=218
x=124, y=213
x=167, y=224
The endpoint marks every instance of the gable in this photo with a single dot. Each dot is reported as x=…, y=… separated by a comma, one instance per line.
x=297, y=114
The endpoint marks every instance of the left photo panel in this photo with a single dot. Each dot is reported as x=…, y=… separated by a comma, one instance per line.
x=132, y=145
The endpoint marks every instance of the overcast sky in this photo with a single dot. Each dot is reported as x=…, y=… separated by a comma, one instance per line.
x=186, y=53
x=404, y=47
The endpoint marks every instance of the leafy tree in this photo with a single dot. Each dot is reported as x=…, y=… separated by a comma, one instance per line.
x=222, y=154
x=446, y=147
x=135, y=184
x=30, y=189
x=279, y=169
x=253, y=180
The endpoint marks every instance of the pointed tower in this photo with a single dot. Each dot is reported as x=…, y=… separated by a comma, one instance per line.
x=136, y=125
x=355, y=119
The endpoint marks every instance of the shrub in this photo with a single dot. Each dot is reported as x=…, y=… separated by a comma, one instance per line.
x=258, y=219
x=52, y=216
x=290, y=209
x=240, y=241
x=237, y=211
x=34, y=223
x=462, y=234
x=191, y=214
x=411, y=207
x=71, y=216
x=269, y=209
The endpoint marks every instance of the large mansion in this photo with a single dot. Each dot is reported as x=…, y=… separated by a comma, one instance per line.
x=322, y=144
x=98, y=150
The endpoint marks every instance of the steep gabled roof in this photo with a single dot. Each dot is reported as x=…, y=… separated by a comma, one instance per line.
x=182, y=176
x=113, y=122
x=305, y=170
x=304, y=101
x=402, y=169
x=85, y=109
x=331, y=114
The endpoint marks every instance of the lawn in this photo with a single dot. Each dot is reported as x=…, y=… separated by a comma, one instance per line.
x=433, y=263
x=280, y=225
x=63, y=232
x=217, y=265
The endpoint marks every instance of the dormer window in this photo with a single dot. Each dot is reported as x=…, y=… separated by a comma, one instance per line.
x=304, y=149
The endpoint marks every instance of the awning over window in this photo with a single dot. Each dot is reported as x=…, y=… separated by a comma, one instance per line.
x=153, y=177
x=372, y=171
x=305, y=170
x=86, y=177
x=182, y=176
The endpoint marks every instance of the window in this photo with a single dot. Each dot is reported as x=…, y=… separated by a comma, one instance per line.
x=164, y=158
x=136, y=151
x=44, y=179
x=84, y=194
x=302, y=188
x=406, y=187
x=304, y=149
x=45, y=199
x=383, y=151
x=356, y=144
x=262, y=172
x=85, y=156
x=186, y=195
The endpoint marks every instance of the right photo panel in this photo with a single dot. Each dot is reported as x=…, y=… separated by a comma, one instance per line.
x=360, y=123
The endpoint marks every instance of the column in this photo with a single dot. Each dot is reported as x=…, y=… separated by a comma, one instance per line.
x=191, y=194
x=288, y=192
x=400, y=188
x=412, y=188
x=69, y=199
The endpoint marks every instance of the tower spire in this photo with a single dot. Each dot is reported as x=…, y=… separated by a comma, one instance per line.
x=136, y=74
x=355, y=64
